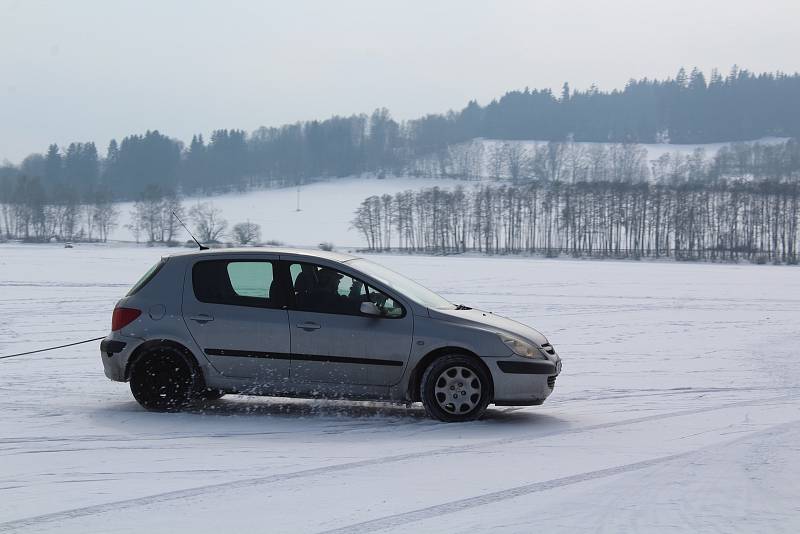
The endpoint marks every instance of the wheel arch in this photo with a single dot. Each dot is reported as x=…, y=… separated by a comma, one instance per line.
x=147, y=345
x=415, y=378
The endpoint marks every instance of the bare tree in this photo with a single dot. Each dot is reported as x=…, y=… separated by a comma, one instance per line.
x=497, y=161
x=170, y=207
x=245, y=233
x=518, y=161
x=104, y=216
x=146, y=219
x=208, y=222
x=154, y=215
x=134, y=227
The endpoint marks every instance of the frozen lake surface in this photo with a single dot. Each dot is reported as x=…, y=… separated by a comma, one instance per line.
x=677, y=410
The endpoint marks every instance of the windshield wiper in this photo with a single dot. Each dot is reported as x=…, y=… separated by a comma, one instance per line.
x=462, y=307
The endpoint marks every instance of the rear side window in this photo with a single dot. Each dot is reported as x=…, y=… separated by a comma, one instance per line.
x=149, y=275
x=237, y=283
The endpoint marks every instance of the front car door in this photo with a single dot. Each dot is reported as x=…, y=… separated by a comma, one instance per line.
x=332, y=341
x=236, y=312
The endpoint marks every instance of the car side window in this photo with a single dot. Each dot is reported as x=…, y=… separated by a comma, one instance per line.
x=147, y=277
x=237, y=283
x=388, y=306
x=325, y=290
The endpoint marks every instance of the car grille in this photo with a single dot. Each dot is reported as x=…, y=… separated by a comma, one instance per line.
x=551, y=382
x=548, y=348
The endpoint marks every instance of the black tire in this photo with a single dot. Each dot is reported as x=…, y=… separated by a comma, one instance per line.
x=451, y=373
x=209, y=394
x=163, y=379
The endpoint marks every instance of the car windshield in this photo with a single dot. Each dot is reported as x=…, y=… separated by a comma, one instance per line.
x=409, y=288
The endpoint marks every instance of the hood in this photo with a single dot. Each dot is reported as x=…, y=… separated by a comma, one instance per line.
x=489, y=321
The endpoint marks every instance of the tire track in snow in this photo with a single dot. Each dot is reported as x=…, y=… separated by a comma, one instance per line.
x=452, y=507
x=200, y=491
x=631, y=394
x=366, y=428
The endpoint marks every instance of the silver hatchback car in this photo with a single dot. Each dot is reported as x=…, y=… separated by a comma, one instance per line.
x=293, y=323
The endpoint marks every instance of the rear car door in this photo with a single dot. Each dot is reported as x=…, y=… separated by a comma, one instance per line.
x=236, y=312
x=332, y=341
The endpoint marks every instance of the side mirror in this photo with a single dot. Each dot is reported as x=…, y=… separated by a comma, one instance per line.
x=369, y=308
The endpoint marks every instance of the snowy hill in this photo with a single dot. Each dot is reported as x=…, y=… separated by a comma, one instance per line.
x=654, y=150
x=327, y=207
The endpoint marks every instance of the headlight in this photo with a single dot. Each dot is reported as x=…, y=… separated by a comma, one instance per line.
x=521, y=347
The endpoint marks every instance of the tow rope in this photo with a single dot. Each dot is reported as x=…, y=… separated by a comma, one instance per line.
x=52, y=348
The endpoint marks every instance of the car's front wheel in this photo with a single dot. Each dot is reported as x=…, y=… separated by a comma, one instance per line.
x=455, y=388
x=162, y=380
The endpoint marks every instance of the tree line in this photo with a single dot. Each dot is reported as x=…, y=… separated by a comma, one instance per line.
x=685, y=109
x=26, y=213
x=744, y=204
x=689, y=108
x=571, y=161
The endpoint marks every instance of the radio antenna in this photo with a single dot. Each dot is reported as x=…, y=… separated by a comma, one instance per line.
x=202, y=247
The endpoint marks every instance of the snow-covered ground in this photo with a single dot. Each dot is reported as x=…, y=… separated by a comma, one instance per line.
x=326, y=209
x=677, y=411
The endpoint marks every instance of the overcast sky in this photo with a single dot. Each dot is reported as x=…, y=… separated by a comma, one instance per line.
x=96, y=70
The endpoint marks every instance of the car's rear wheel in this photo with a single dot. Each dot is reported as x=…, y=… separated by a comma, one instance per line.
x=163, y=380
x=210, y=394
x=455, y=388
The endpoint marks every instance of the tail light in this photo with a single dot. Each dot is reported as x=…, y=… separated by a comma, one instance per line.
x=122, y=317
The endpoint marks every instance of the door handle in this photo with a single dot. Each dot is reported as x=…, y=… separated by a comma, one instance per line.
x=202, y=318
x=308, y=326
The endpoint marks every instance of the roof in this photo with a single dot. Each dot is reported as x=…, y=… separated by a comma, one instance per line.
x=310, y=253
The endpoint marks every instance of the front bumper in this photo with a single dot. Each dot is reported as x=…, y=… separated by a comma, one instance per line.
x=523, y=382
x=535, y=367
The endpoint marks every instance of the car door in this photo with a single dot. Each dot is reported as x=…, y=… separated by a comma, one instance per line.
x=332, y=341
x=235, y=310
